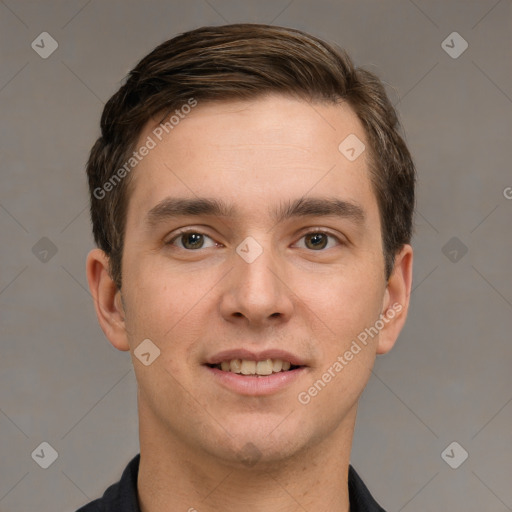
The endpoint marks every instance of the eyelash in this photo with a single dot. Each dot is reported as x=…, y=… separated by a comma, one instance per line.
x=196, y=232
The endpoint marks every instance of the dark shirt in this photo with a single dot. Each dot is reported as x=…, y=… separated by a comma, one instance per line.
x=122, y=496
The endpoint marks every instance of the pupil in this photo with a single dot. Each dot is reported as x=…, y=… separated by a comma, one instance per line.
x=318, y=237
x=195, y=237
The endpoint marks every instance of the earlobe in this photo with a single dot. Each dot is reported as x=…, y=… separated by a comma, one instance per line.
x=107, y=299
x=396, y=299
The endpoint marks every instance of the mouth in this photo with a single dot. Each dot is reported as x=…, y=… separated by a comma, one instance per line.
x=255, y=374
x=252, y=368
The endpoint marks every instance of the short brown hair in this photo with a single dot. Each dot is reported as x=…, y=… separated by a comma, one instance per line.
x=244, y=61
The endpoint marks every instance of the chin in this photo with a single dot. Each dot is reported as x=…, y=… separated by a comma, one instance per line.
x=258, y=443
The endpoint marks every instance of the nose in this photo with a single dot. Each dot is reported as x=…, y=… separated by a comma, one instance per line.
x=257, y=292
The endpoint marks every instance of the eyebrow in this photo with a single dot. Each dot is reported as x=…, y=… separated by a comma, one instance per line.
x=320, y=207
x=172, y=207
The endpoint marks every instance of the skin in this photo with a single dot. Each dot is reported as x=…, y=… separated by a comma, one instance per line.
x=193, y=303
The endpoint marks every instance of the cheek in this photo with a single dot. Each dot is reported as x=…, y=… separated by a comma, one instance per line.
x=161, y=300
x=166, y=311
x=168, y=307
x=347, y=350
x=347, y=354
x=347, y=302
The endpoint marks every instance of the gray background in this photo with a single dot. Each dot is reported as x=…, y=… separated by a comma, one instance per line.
x=447, y=379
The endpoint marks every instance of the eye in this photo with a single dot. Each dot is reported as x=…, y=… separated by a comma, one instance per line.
x=318, y=240
x=191, y=240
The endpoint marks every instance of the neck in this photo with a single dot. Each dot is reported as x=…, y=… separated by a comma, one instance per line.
x=175, y=476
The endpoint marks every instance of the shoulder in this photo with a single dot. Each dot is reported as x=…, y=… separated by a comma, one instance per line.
x=121, y=496
x=360, y=498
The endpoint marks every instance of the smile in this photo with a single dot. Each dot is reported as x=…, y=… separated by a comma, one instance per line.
x=254, y=368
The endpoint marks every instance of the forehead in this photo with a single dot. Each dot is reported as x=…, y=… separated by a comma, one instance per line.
x=252, y=152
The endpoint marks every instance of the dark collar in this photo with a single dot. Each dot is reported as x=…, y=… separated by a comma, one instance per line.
x=122, y=496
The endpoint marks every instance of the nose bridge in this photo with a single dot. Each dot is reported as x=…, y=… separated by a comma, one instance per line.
x=256, y=288
x=255, y=268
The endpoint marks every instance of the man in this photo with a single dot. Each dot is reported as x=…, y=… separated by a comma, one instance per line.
x=252, y=202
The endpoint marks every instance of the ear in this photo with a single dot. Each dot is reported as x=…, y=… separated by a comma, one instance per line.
x=107, y=299
x=396, y=300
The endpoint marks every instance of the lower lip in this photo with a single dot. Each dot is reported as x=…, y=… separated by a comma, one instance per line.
x=255, y=386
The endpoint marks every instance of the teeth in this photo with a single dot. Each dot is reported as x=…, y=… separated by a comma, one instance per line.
x=235, y=366
x=278, y=365
x=264, y=367
x=246, y=367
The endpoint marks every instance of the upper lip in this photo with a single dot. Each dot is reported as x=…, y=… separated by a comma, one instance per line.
x=240, y=353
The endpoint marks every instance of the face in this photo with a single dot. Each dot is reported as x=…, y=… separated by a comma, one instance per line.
x=286, y=272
